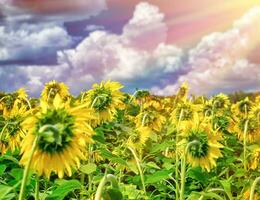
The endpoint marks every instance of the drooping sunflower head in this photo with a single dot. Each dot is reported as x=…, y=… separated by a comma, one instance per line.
x=207, y=109
x=105, y=99
x=221, y=122
x=11, y=128
x=255, y=158
x=150, y=117
x=183, y=91
x=242, y=107
x=61, y=133
x=52, y=88
x=220, y=101
x=257, y=99
x=184, y=112
x=206, y=149
x=252, y=129
x=139, y=137
x=255, y=112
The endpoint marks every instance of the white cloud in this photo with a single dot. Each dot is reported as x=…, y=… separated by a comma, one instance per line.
x=31, y=42
x=135, y=55
x=104, y=55
x=218, y=63
x=93, y=27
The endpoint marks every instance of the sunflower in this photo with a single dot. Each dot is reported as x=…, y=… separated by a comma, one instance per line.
x=255, y=158
x=52, y=88
x=207, y=109
x=150, y=117
x=252, y=132
x=105, y=99
x=139, y=137
x=242, y=107
x=255, y=112
x=246, y=195
x=220, y=102
x=207, y=150
x=61, y=133
x=184, y=114
x=11, y=129
x=182, y=92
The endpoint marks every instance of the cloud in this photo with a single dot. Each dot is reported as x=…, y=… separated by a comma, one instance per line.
x=49, y=10
x=137, y=55
x=129, y=57
x=218, y=63
x=32, y=42
x=93, y=27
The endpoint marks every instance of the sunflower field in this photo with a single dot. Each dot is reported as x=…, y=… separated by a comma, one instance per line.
x=110, y=145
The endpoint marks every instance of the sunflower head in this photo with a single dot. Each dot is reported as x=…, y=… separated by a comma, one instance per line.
x=184, y=112
x=52, y=88
x=105, y=99
x=139, y=137
x=206, y=149
x=208, y=109
x=220, y=101
x=11, y=128
x=183, y=91
x=255, y=112
x=150, y=117
x=220, y=122
x=242, y=107
x=61, y=133
x=255, y=158
x=252, y=131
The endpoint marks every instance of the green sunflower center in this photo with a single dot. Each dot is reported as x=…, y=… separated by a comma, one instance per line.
x=101, y=99
x=201, y=149
x=58, y=130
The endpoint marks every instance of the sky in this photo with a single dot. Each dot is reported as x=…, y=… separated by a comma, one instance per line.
x=156, y=44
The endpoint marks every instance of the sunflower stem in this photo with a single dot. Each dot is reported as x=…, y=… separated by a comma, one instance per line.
x=253, y=188
x=245, y=145
x=89, y=161
x=26, y=170
x=37, y=187
x=139, y=168
x=107, y=178
x=183, y=167
x=177, y=158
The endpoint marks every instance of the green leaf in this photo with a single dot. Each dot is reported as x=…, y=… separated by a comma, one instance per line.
x=112, y=194
x=197, y=174
x=158, y=176
x=17, y=173
x=212, y=195
x=161, y=147
x=62, y=190
x=152, y=165
x=227, y=187
x=4, y=191
x=114, y=158
x=88, y=168
x=2, y=169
